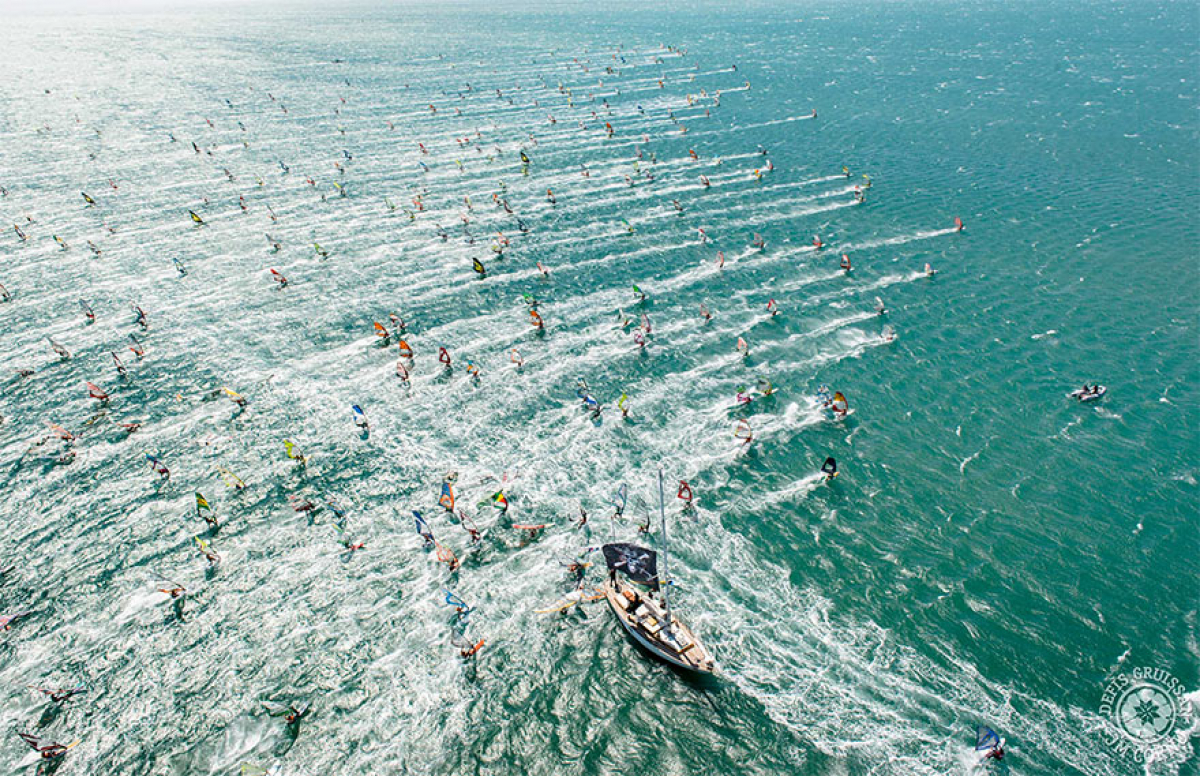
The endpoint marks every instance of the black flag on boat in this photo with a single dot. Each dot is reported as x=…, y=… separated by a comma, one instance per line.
x=637, y=563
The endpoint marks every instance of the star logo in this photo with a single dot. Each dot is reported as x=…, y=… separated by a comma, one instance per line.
x=1145, y=712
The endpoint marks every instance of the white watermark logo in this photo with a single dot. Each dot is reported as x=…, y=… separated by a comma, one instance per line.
x=1144, y=707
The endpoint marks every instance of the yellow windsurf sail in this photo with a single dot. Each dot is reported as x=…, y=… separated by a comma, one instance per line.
x=292, y=452
x=231, y=479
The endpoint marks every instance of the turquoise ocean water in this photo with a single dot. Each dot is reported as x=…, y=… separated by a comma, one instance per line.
x=992, y=553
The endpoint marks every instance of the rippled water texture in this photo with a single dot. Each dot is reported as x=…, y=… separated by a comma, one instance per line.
x=992, y=552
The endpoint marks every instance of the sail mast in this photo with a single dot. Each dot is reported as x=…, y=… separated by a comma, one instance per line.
x=664, y=579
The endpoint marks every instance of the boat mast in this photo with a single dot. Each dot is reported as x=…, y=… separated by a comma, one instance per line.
x=664, y=579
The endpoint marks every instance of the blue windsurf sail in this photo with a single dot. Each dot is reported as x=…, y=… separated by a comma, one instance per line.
x=986, y=739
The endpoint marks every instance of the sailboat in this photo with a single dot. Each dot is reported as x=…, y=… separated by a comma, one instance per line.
x=648, y=619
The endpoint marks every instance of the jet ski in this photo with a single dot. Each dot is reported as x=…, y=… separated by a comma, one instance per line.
x=1089, y=393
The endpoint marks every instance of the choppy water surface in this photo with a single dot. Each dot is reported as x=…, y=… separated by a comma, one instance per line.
x=992, y=553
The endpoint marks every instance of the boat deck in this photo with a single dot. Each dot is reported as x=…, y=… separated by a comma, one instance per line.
x=676, y=644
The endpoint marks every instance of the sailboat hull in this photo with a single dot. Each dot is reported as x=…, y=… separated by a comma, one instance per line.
x=689, y=655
